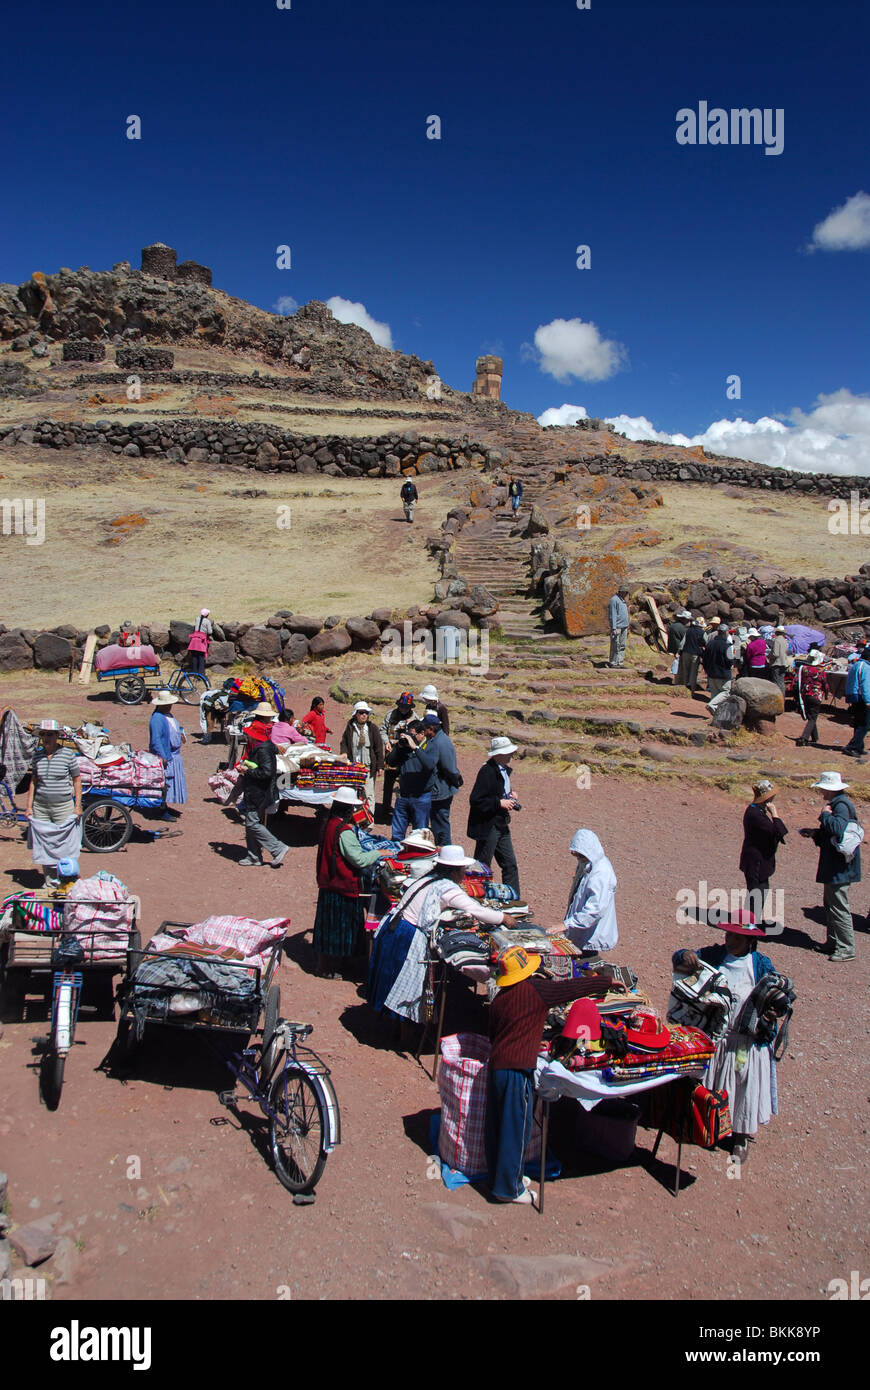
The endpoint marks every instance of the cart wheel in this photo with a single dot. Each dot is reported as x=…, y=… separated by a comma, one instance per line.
x=190, y=685
x=106, y=827
x=51, y=1079
x=130, y=690
x=270, y=1039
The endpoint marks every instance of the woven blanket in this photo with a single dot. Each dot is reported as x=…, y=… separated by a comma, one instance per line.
x=139, y=771
x=252, y=939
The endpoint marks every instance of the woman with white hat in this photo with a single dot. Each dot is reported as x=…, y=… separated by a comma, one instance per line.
x=54, y=802
x=397, y=970
x=338, y=922
x=361, y=742
x=835, y=871
x=165, y=737
x=490, y=805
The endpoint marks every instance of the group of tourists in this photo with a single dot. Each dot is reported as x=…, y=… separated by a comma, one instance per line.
x=723, y=652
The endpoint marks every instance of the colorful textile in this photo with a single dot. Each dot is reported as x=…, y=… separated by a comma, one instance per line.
x=116, y=658
x=686, y=1046
x=329, y=776
x=30, y=915
x=223, y=783
x=252, y=939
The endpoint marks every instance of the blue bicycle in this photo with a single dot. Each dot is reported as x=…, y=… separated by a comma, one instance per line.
x=294, y=1090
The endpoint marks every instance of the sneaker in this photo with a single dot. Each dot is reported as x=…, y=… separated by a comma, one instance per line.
x=278, y=859
x=825, y=948
x=838, y=956
x=525, y=1199
x=249, y=860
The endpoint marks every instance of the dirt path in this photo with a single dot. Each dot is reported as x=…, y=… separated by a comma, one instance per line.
x=205, y=1218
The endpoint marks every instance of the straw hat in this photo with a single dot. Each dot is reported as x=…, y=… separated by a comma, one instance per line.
x=714, y=622
x=500, y=745
x=264, y=711
x=515, y=964
x=164, y=697
x=831, y=782
x=763, y=791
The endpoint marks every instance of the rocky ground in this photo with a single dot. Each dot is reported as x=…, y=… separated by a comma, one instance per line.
x=202, y=1216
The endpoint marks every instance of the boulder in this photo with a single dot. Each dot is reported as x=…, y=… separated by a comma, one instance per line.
x=261, y=643
x=587, y=584
x=480, y=602
x=179, y=635
x=221, y=654
x=267, y=454
x=295, y=649
x=333, y=643
x=52, y=653
x=15, y=653
x=309, y=627
x=34, y=1242
x=453, y=617
x=159, y=636
x=384, y=616
x=764, y=699
x=537, y=524
x=363, y=632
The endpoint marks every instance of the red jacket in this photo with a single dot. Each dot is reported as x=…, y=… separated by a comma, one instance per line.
x=333, y=871
x=317, y=724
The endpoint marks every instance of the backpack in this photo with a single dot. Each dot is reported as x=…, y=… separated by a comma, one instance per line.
x=850, y=840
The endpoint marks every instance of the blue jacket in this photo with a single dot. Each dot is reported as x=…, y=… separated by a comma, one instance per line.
x=862, y=682
x=617, y=613
x=417, y=773
x=158, y=736
x=834, y=867
x=443, y=787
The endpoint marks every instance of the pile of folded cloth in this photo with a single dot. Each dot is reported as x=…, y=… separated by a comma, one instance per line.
x=635, y=1046
x=326, y=776
x=140, y=774
x=463, y=948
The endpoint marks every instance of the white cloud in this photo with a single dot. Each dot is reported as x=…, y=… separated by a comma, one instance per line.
x=563, y=415
x=568, y=348
x=846, y=228
x=348, y=311
x=285, y=305
x=834, y=437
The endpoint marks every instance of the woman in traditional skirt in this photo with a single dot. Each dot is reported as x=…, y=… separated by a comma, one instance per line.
x=338, y=924
x=397, y=978
x=741, y=1066
x=165, y=739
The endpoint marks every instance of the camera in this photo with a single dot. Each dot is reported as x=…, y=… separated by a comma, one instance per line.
x=517, y=806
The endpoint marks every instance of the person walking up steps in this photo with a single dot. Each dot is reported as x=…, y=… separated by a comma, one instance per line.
x=515, y=493
x=409, y=496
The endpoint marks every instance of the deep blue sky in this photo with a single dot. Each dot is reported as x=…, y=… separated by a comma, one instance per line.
x=263, y=126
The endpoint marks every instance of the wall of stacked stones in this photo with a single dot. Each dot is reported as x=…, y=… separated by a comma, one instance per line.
x=263, y=447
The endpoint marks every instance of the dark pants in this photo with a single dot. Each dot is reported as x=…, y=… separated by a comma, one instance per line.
x=440, y=821
x=196, y=662
x=813, y=709
x=757, y=890
x=510, y=1108
x=859, y=725
x=777, y=675
x=390, y=775
x=498, y=844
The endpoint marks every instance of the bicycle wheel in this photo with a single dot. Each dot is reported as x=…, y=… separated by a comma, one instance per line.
x=51, y=1079
x=190, y=685
x=131, y=690
x=297, y=1135
x=106, y=827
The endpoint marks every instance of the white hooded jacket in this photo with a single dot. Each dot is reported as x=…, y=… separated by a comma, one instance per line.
x=591, y=918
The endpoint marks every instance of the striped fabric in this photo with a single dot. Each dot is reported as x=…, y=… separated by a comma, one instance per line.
x=54, y=775
x=252, y=939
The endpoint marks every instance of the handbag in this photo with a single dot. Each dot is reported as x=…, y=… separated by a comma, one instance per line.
x=850, y=840
x=690, y=1113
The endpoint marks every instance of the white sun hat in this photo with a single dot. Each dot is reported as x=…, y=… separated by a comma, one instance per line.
x=361, y=705
x=831, y=782
x=500, y=745
x=346, y=796
x=164, y=697
x=420, y=839
x=454, y=857
x=428, y=693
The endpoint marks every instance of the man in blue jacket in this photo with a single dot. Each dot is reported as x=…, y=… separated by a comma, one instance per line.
x=617, y=620
x=835, y=871
x=858, y=699
x=447, y=778
x=416, y=780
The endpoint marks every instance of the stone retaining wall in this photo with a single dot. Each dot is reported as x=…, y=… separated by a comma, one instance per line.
x=264, y=447
x=736, y=473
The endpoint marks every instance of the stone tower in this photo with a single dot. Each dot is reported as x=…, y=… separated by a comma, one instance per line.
x=160, y=261
x=487, y=382
x=193, y=273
